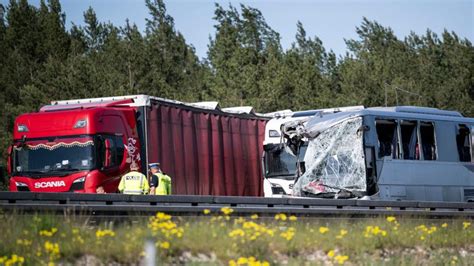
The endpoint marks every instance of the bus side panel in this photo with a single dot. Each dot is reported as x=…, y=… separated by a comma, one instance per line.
x=206, y=153
x=424, y=180
x=444, y=179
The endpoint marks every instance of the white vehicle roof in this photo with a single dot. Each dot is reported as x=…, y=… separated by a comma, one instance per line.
x=284, y=116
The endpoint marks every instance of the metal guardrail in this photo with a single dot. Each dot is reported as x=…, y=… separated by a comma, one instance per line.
x=118, y=204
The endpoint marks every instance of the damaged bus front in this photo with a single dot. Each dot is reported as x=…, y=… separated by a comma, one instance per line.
x=394, y=153
x=334, y=158
x=283, y=158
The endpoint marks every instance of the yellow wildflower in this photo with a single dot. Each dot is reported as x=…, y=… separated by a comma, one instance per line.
x=162, y=216
x=254, y=216
x=242, y=260
x=444, y=225
x=323, y=229
x=331, y=253
x=342, y=233
x=103, y=233
x=14, y=260
x=432, y=230
x=374, y=230
x=165, y=245
x=341, y=259
x=52, y=249
x=466, y=225
x=280, y=216
x=293, y=218
x=391, y=219
x=237, y=232
x=206, y=211
x=288, y=235
x=48, y=233
x=226, y=210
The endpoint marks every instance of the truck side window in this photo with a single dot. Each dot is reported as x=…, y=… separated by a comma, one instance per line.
x=110, y=151
x=409, y=141
x=387, y=138
x=120, y=149
x=428, y=142
x=463, y=142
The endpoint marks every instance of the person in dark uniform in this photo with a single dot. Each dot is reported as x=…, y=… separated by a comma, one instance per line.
x=160, y=183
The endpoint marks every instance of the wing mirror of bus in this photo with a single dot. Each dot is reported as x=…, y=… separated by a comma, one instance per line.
x=9, y=160
x=107, y=154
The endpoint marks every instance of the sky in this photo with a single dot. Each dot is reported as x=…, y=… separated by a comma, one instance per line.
x=330, y=20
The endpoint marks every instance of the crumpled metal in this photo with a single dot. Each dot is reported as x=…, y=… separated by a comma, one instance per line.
x=334, y=160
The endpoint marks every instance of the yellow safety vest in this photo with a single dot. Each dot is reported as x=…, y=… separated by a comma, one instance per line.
x=134, y=183
x=164, y=184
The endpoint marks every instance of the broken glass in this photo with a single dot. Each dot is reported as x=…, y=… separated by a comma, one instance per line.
x=334, y=161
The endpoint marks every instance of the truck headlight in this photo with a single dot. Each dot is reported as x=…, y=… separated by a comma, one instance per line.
x=19, y=184
x=78, y=184
x=22, y=128
x=80, y=179
x=273, y=133
x=80, y=123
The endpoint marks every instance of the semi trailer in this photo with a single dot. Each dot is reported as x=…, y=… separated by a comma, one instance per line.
x=81, y=145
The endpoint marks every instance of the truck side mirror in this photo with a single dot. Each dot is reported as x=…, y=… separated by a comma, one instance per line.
x=9, y=160
x=107, y=154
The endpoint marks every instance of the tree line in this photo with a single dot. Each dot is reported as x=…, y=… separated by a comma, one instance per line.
x=42, y=60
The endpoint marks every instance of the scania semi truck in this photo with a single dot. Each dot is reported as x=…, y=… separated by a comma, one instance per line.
x=81, y=145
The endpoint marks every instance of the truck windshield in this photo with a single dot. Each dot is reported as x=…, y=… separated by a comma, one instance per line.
x=280, y=163
x=59, y=157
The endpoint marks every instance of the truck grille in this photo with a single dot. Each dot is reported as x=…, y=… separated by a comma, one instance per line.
x=278, y=191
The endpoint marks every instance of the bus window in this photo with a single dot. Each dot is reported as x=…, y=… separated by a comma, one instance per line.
x=428, y=143
x=409, y=140
x=472, y=144
x=463, y=139
x=387, y=138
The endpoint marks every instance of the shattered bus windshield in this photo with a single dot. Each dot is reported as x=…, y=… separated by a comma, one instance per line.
x=334, y=161
x=280, y=162
x=62, y=155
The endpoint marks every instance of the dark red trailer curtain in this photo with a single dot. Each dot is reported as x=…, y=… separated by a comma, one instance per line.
x=207, y=153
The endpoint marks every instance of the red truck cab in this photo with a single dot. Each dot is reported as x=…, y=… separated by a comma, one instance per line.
x=74, y=148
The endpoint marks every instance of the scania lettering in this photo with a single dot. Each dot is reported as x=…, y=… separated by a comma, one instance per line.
x=82, y=145
x=50, y=184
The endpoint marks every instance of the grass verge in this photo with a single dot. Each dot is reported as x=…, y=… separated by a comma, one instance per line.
x=221, y=238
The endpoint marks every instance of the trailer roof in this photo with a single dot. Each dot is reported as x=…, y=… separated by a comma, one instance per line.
x=146, y=100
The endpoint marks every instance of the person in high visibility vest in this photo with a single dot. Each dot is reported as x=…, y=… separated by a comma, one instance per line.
x=134, y=182
x=160, y=183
